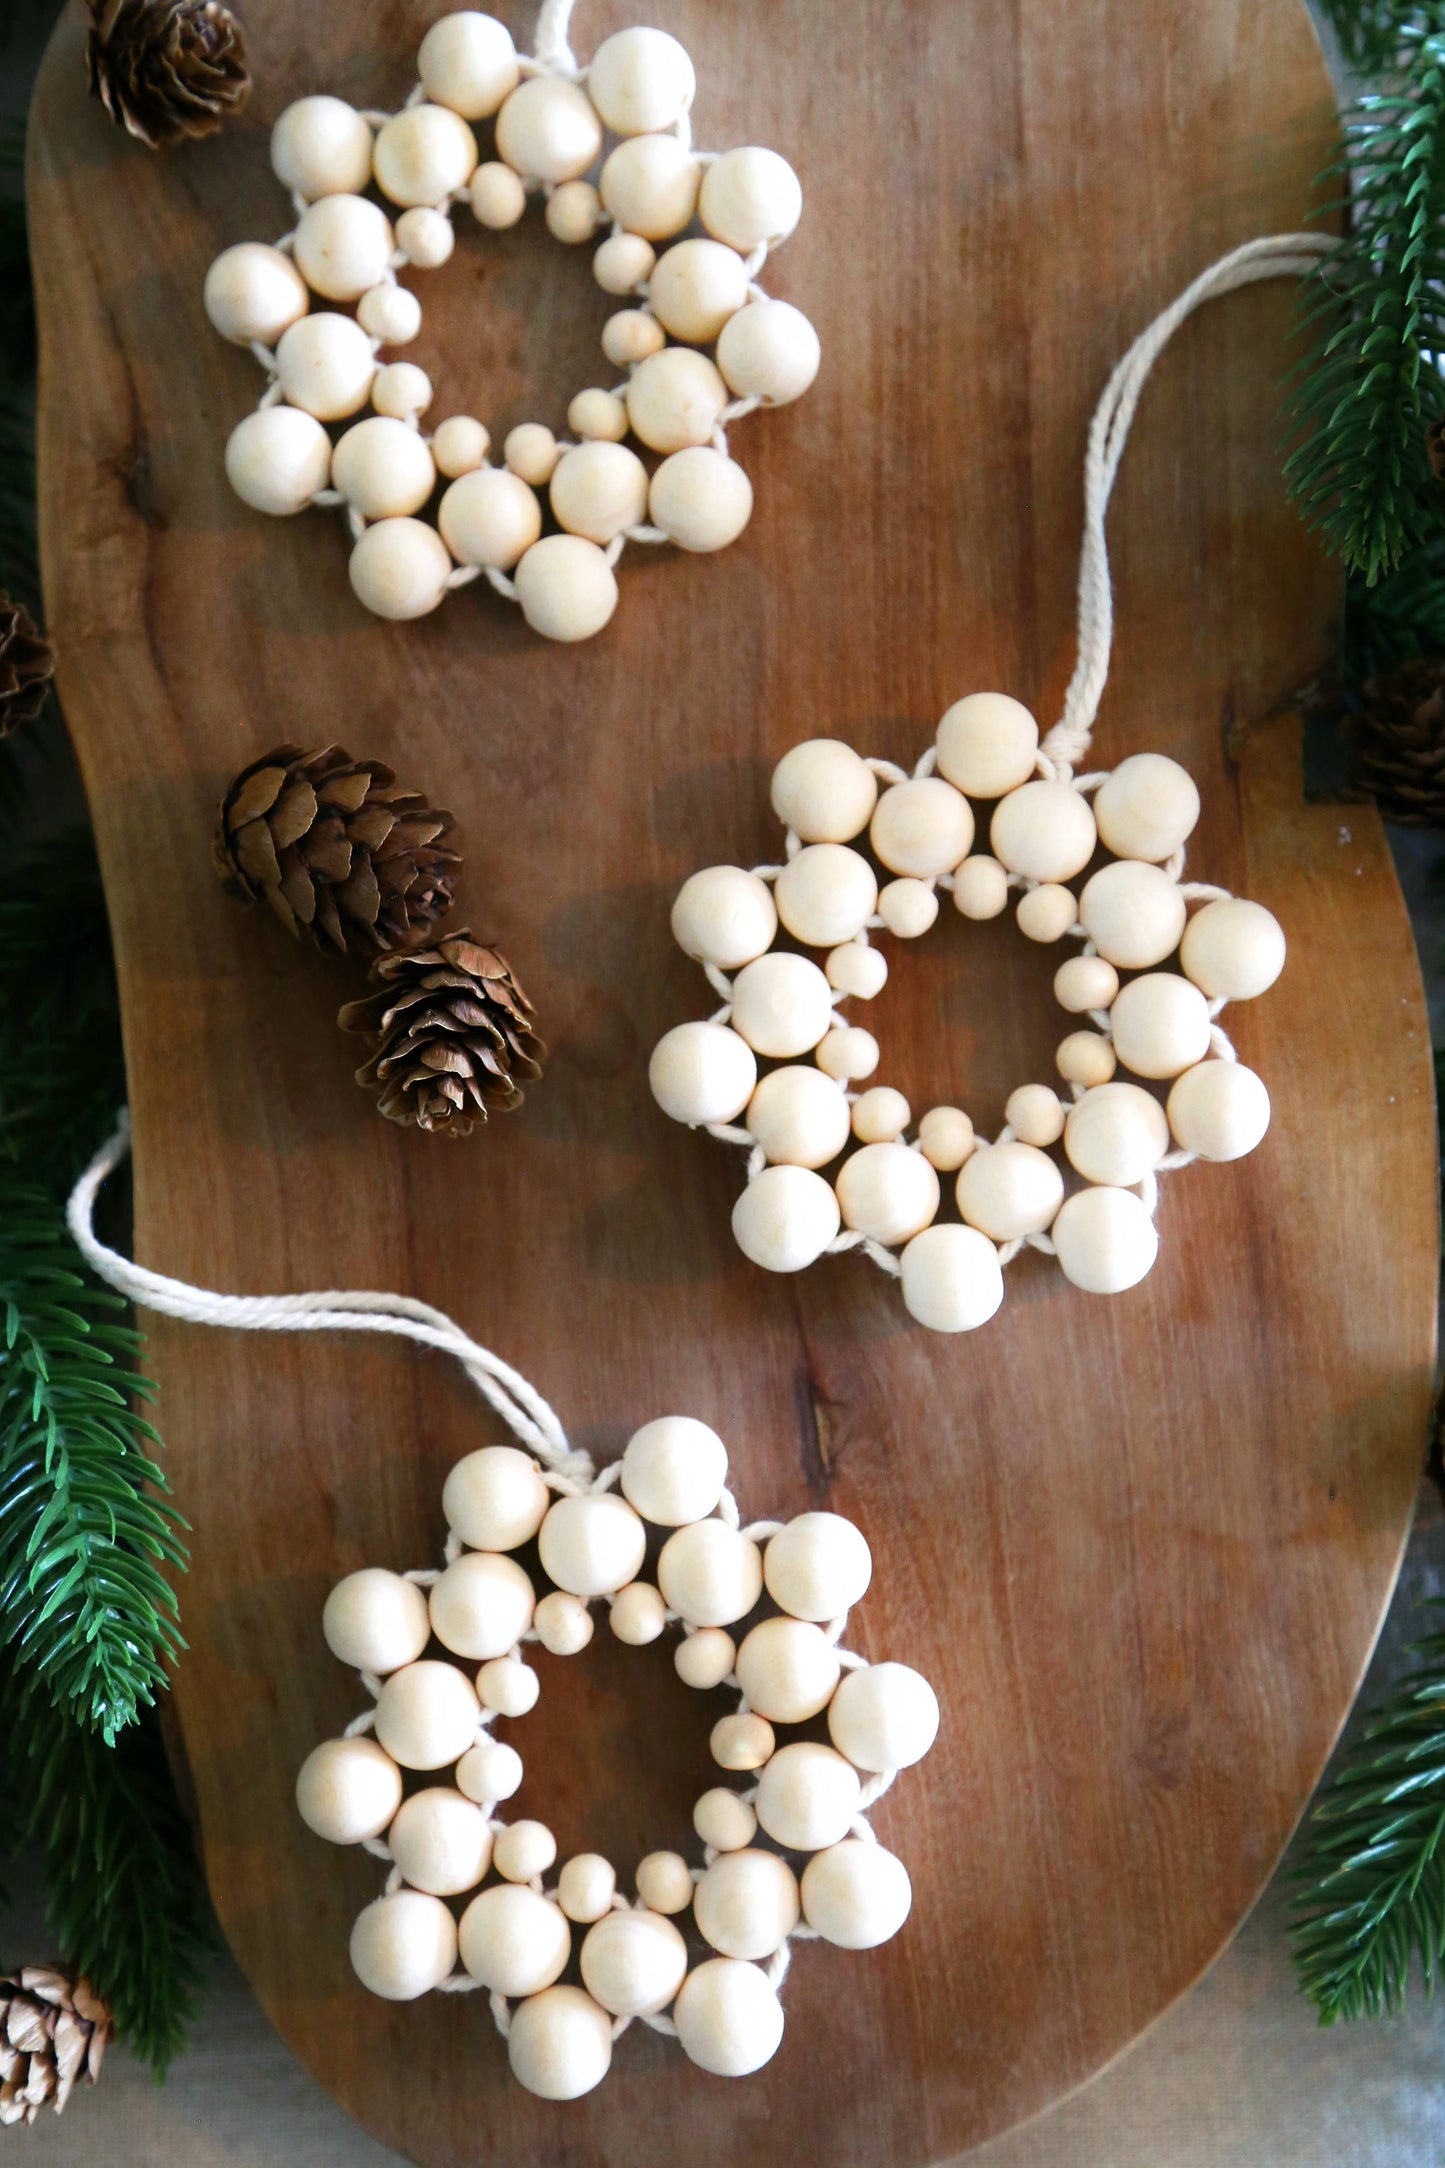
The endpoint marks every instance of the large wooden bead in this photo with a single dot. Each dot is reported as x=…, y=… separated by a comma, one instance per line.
x=728, y=2017
x=746, y=1904
x=787, y=1669
x=599, y=491
x=696, y=286
x=426, y=238
x=482, y=1605
x=951, y=1279
x=724, y=1820
x=403, y=1946
x=785, y=1219
x=592, y=1546
x=710, y=1574
x=489, y=517
x=674, y=1471
x=703, y=1660
x=383, y=468
x=1233, y=949
x=513, y=1941
x=343, y=245
x=321, y=147
x=524, y=1851
x=724, y=916
x=633, y=1962
x=389, y=313
x=887, y=1192
x=326, y=365
x=347, y=1790
x=638, y=1615
x=1133, y=913
x=566, y=587
x=424, y=154
x=826, y=894
x=1084, y=983
x=664, y=1882
x=548, y=130
x=750, y=196
x=1147, y=808
x=1009, y=1190
x=1105, y=1240
x=770, y=352
x=1044, y=831
x=701, y=499
x=799, y=1117
x=1160, y=1024
x=987, y=744
x=1034, y=1114
x=945, y=1138
x=649, y=185
x=745, y=1740
x=702, y=1073
x=880, y=1116
x=807, y=1797
x=1046, y=913
x=884, y=1716
x=563, y=1623
x=559, y=2044
x=585, y=1887
x=375, y=1620
x=468, y=61
x=980, y=887
x=641, y=81
x=818, y=1566
x=824, y=791
x=1219, y=1110
x=400, y=568
x=857, y=970
x=1116, y=1135
x=426, y=1715
x=441, y=1841
x=1086, y=1059
x=402, y=390
x=254, y=292
x=856, y=1895
x=674, y=398
x=489, y=1772
x=498, y=196
x=495, y=1498
x=782, y=1005
x=923, y=827
x=623, y=263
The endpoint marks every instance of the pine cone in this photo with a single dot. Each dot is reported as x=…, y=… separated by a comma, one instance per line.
x=452, y=1036
x=26, y=663
x=335, y=849
x=1435, y=449
x=53, y=2030
x=1401, y=758
x=167, y=69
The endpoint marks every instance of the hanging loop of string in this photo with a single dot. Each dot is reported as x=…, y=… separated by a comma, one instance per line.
x=550, y=45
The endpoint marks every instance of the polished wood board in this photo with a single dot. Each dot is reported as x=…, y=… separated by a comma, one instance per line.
x=1142, y=1546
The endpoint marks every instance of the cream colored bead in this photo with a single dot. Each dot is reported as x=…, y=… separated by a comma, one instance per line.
x=403, y=1946
x=826, y=894
x=702, y=1073
x=674, y=1470
x=807, y=1797
x=696, y=286
x=507, y=1686
x=254, y=292
x=638, y=1614
x=548, y=130
x=423, y=154
x=703, y=1660
x=599, y=490
x=1219, y=1109
x=1105, y=1239
x=489, y=517
x=1085, y=1058
x=489, y=1772
x=401, y=389
x=908, y=907
x=701, y=499
x=524, y=1851
x=1044, y=831
x=631, y=336
x=857, y=970
x=1116, y=1134
x=782, y=1005
x=1046, y=913
x=347, y=1790
x=566, y=587
x=884, y=1716
x=1233, y=949
x=710, y=1574
x=818, y=1566
x=633, y=1962
x=880, y=1115
x=342, y=246
x=441, y=1841
x=674, y=398
x=498, y=196
x=848, y=1053
x=769, y=351
x=664, y=1882
x=1009, y=1190
x=923, y=827
x=425, y=237
x=598, y=416
x=375, y=1620
x=641, y=81
x=856, y=1895
x=724, y=1820
x=564, y=1623
x=623, y=262
x=531, y=452
x=750, y=196
x=728, y=2017
x=593, y=1545
x=649, y=185
x=887, y=1192
x=824, y=791
x=1133, y=913
x=747, y=1904
x=321, y=147
x=585, y=1887
x=980, y=887
x=559, y=2044
x=389, y=313
x=383, y=468
x=459, y=446
x=1147, y=808
x=799, y=1117
x=945, y=1137
x=951, y=1279
x=513, y=1941
x=400, y=568
x=1034, y=1114
x=1084, y=983
x=1160, y=1024
x=495, y=1498
x=325, y=365
x=426, y=1715
x=743, y=1741
x=788, y=1669
x=987, y=744
x=482, y=1605
x=468, y=61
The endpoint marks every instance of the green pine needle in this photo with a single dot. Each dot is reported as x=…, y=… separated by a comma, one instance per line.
x=1370, y=31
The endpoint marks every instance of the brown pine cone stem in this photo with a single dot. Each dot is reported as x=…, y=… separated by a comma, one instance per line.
x=26, y=665
x=53, y=2033
x=452, y=1036
x=166, y=70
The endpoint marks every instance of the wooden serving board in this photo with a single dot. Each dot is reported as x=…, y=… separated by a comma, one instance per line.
x=1142, y=1546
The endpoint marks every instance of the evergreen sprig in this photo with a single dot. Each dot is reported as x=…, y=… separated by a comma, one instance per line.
x=1370, y=31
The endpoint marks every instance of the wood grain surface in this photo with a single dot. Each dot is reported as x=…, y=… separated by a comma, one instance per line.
x=1141, y=1545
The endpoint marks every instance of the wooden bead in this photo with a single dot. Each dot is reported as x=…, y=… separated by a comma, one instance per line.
x=856, y=1895
x=495, y=1498
x=383, y=468
x=703, y=1660
x=403, y=1946
x=441, y=1841
x=1147, y=808
x=1047, y=912
x=1133, y=913
x=818, y=1566
x=710, y=1574
x=750, y=196
x=746, y=1740
x=489, y=1772
x=824, y=791
x=847, y=1053
x=425, y=237
x=559, y=2044
x=1233, y=949
x=498, y=196
x=702, y=1073
x=547, y=130
x=513, y=1941
x=599, y=490
x=1034, y=1114
x=641, y=81
x=482, y=1605
x=880, y=1115
x=1085, y=1058
x=788, y=1669
x=566, y=587
x=623, y=263
x=724, y=1820
x=564, y=1623
x=592, y=1546
x=1084, y=983
x=507, y=1686
x=325, y=365
x=401, y=389
x=599, y=416
x=664, y=1881
x=799, y=1117
x=390, y=314
x=908, y=907
x=887, y=1192
x=807, y=1797
x=649, y=185
x=1219, y=1109
x=633, y=1962
x=980, y=888
x=1044, y=831
x=638, y=1615
x=468, y=62
x=883, y=1716
x=321, y=147
x=945, y=1137
x=375, y=1620
x=951, y=1279
x=728, y=2017
x=695, y=288
x=701, y=499
x=1160, y=1024
x=254, y=292
x=426, y=1715
x=531, y=453
x=459, y=446
x=674, y=1470
x=423, y=154
x=585, y=1887
x=987, y=745
x=342, y=246
x=769, y=351
x=826, y=894
x=782, y=1005
x=1105, y=1240
x=489, y=517
x=632, y=336
x=1116, y=1134
x=400, y=568
x=674, y=398
x=923, y=827
x=347, y=1790
x=1009, y=1190
x=857, y=970
x=524, y=1851
x=747, y=1904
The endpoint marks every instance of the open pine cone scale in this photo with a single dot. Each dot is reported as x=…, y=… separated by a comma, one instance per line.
x=453, y=1037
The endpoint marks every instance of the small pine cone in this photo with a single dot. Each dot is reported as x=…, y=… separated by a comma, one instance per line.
x=452, y=1037
x=1401, y=756
x=167, y=69
x=1435, y=449
x=26, y=664
x=335, y=850
x=53, y=2030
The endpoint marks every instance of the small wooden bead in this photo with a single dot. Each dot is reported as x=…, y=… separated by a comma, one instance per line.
x=641, y=81
x=710, y=1574
x=702, y=1073
x=599, y=416
x=728, y=2016
x=1085, y=1058
x=489, y=1772
x=826, y=894
x=513, y=1941
x=743, y=1741
x=468, y=61
x=425, y=237
x=951, y=1279
x=459, y=446
x=400, y=568
x=1116, y=1135
x=498, y=196
x=980, y=887
x=987, y=745
x=674, y=1471
x=403, y=1946
x=482, y=1605
x=724, y=915
x=426, y=1715
x=566, y=587
x=401, y=389
x=564, y=1623
x=524, y=1851
x=856, y=1895
x=695, y=288
x=325, y=365
x=347, y=1790
x=1034, y=1114
x=824, y=791
x=1084, y=983
x=788, y=1669
x=674, y=398
x=884, y=1716
x=880, y=1115
x=704, y=1659
x=489, y=517
x=945, y=1137
x=383, y=468
x=848, y=1053
x=423, y=154
x=592, y=1545
x=1233, y=949
x=747, y=1904
x=664, y=1882
x=1009, y=1190
x=1219, y=1109
x=574, y=212
x=1105, y=1239
x=321, y=147
x=807, y=1797
x=599, y=490
x=923, y=827
x=887, y=1192
x=724, y=1820
x=857, y=970
x=638, y=1614
x=495, y=1498
x=441, y=1842
x=1047, y=912
x=559, y=2044
x=507, y=1686
x=908, y=907
x=769, y=351
x=630, y=337
x=633, y=1962
x=701, y=499
x=750, y=196
x=375, y=1620
x=342, y=246
x=818, y=1566
x=1044, y=831
x=1147, y=808
x=547, y=129
x=585, y=1887
x=531, y=452
x=623, y=262
x=254, y=292
x=649, y=185
x=389, y=313
x=1160, y=1024
x=1133, y=913
x=782, y=1005
x=799, y=1117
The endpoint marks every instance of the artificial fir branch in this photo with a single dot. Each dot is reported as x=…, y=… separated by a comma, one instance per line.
x=1370, y=31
